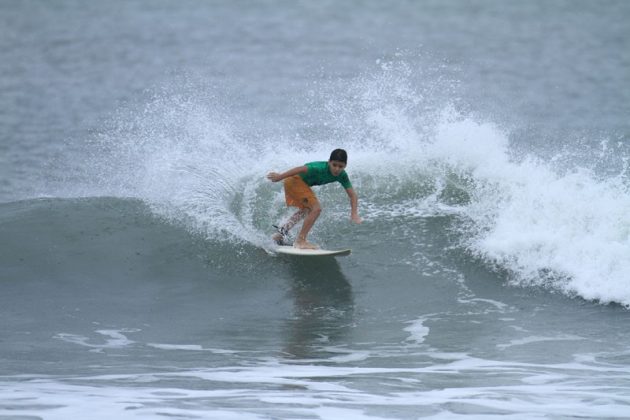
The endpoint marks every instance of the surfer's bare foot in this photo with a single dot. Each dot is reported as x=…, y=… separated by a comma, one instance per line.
x=305, y=245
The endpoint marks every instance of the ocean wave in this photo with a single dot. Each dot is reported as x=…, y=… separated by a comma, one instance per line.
x=551, y=220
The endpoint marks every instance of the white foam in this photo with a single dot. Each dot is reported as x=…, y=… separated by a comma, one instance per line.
x=189, y=347
x=538, y=339
x=498, y=306
x=418, y=331
x=116, y=339
x=275, y=389
x=192, y=347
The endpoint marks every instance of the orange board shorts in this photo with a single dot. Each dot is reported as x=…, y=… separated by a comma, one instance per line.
x=298, y=194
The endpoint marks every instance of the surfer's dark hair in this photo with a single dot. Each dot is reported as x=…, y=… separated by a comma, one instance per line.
x=339, y=155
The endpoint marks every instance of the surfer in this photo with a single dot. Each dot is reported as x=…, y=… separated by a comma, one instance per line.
x=298, y=193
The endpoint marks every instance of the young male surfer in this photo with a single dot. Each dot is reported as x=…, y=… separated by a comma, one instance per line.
x=298, y=193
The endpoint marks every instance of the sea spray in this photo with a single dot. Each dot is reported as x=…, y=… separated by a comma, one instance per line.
x=180, y=155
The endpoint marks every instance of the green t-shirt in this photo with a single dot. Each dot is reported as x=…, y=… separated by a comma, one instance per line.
x=319, y=174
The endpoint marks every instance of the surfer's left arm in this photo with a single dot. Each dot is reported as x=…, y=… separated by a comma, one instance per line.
x=354, y=206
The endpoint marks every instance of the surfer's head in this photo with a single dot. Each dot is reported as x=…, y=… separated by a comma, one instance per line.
x=338, y=161
x=339, y=155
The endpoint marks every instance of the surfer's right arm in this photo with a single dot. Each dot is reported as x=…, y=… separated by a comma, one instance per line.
x=275, y=177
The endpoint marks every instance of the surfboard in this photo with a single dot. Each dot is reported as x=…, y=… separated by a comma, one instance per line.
x=290, y=250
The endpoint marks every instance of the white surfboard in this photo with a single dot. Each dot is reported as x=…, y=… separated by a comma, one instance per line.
x=290, y=250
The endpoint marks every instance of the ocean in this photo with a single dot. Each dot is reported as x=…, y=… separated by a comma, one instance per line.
x=488, y=142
